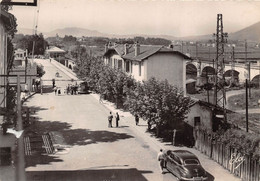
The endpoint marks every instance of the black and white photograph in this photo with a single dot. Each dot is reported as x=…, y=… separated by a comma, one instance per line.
x=129, y=90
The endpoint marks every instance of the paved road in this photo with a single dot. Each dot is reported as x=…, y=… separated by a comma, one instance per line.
x=91, y=150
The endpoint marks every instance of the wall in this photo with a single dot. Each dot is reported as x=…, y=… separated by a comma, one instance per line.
x=135, y=70
x=202, y=112
x=166, y=66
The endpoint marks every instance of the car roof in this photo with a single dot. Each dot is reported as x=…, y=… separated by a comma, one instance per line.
x=184, y=154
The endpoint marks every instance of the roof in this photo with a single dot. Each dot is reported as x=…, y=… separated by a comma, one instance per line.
x=145, y=51
x=19, y=51
x=184, y=154
x=55, y=50
x=209, y=105
x=8, y=19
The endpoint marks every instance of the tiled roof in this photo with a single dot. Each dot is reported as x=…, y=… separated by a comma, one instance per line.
x=145, y=51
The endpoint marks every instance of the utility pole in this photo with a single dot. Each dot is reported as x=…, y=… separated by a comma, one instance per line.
x=220, y=99
x=20, y=168
x=232, y=65
x=248, y=69
x=246, y=106
x=181, y=46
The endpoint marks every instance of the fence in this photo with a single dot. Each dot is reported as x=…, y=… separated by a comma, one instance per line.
x=244, y=167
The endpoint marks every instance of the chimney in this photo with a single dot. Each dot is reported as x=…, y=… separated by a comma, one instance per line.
x=137, y=48
x=106, y=47
x=126, y=48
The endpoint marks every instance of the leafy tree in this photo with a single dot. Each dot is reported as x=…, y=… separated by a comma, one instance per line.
x=69, y=38
x=28, y=41
x=40, y=70
x=159, y=103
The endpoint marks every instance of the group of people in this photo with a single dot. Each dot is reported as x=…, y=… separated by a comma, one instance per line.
x=71, y=89
x=110, y=119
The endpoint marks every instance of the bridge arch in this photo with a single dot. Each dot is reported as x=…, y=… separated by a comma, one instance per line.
x=256, y=81
x=191, y=71
x=228, y=76
x=207, y=72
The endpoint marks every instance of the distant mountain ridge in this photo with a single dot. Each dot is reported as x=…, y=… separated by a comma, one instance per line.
x=251, y=33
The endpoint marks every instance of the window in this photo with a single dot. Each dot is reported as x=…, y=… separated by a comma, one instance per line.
x=140, y=68
x=127, y=66
x=110, y=62
x=176, y=159
x=119, y=66
x=191, y=162
x=196, y=121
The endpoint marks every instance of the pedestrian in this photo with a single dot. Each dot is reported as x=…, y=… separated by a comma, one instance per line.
x=53, y=83
x=136, y=119
x=117, y=119
x=110, y=119
x=161, y=159
x=101, y=98
x=55, y=90
x=59, y=91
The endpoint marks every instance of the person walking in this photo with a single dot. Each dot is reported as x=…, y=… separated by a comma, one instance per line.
x=117, y=119
x=110, y=119
x=55, y=90
x=53, y=83
x=136, y=119
x=161, y=159
x=101, y=98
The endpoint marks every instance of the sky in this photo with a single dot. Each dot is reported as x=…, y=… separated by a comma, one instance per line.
x=151, y=17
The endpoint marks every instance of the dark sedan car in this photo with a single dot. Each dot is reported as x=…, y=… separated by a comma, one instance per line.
x=184, y=165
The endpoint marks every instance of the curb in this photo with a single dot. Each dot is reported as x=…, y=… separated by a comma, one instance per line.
x=24, y=100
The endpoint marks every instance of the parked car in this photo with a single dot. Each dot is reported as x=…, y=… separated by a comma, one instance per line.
x=83, y=88
x=184, y=165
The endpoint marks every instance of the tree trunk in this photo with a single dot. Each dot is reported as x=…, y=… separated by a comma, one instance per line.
x=157, y=130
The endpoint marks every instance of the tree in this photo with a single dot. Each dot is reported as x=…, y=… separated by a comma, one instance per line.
x=40, y=70
x=28, y=41
x=158, y=102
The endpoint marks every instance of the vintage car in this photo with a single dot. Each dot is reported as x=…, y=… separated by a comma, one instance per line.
x=184, y=165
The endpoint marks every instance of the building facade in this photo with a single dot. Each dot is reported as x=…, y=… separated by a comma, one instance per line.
x=146, y=61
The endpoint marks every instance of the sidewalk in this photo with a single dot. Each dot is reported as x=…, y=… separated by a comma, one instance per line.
x=217, y=171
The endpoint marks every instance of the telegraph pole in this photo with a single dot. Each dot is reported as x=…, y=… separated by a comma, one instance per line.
x=232, y=65
x=20, y=168
x=248, y=69
x=220, y=99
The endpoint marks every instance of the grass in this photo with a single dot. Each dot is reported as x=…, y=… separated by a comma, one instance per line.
x=238, y=102
x=240, y=121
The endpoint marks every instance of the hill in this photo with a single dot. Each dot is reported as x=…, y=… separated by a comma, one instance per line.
x=249, y=33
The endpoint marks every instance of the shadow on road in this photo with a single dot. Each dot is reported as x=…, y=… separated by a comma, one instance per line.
x=93, y=175
x=64, y=135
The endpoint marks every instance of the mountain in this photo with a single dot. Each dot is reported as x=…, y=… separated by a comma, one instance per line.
x=249, y=33
x=77, y=32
